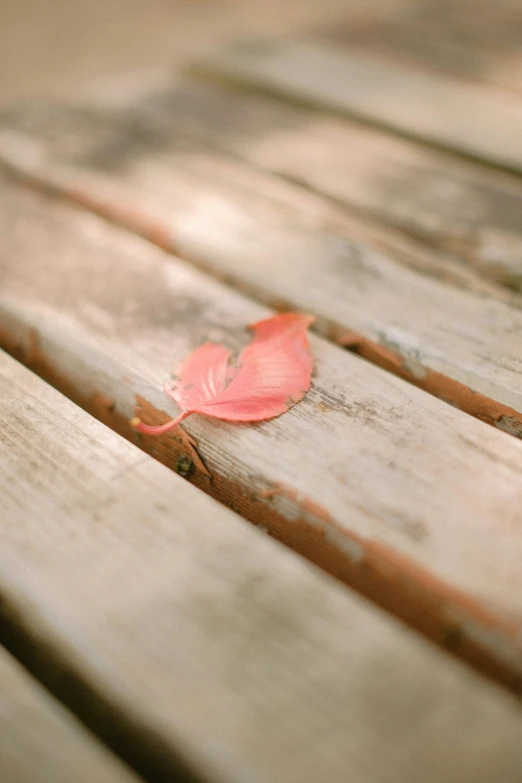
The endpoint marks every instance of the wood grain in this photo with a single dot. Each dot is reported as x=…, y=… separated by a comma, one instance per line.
x=40, y=742
x=396, y=493
x=472, y=120
x=373, y=292
x=197, y=643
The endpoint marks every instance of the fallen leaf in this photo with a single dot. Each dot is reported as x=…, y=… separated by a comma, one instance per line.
x=273, y=373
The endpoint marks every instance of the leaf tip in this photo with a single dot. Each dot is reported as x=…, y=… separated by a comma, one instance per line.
x=307, y=319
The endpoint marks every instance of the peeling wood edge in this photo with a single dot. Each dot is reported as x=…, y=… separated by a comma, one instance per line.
x=453, y=392
x=450, y=618
x=435, y=383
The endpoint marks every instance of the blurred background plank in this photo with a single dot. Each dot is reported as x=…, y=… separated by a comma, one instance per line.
x=199, y=648
x=54, y=47
x=472, y=40
x=473, y=120
x=460, y=207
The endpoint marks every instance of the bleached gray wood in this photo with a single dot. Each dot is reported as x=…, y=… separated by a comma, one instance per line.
x=379, y=294
x=40, y=741
x=176, y=620
x=400, y=495
x=470, y=119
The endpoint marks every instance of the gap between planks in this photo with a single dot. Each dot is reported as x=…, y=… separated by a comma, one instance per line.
x=395, y=493
x=198, y=648
x=40, y=741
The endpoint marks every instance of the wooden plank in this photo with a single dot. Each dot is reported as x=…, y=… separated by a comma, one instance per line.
x=287, y=247
x=468, y=39
x=40, y=742
x=396, y=493
x=220, y=650
x=457, y=206
x=469, y=119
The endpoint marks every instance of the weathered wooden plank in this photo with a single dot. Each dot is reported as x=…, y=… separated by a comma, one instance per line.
x=396, y=493
x=458, y=206
x=468, y=39
x=470, y=119
x=189, y=638
x=285, y=246
x=40, y=742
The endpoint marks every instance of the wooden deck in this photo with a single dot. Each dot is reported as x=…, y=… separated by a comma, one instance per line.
x=367, y=171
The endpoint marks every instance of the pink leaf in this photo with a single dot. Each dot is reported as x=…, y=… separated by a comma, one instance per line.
x=203, y=375
x=274, y=372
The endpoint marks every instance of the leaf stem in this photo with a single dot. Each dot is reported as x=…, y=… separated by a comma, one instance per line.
x=159, y=429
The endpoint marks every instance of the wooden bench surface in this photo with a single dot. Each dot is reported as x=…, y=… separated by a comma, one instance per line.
x=199, y=648
x=106, y=316
x=368, y=173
